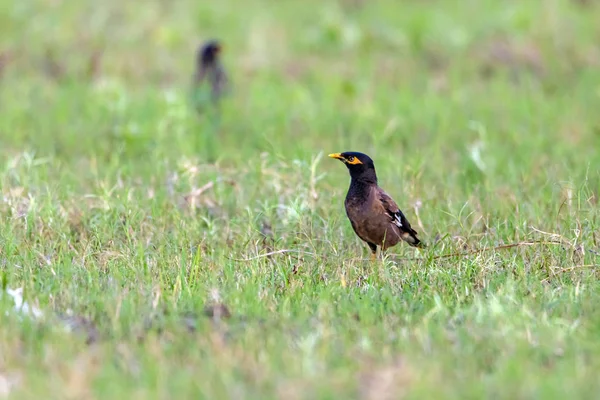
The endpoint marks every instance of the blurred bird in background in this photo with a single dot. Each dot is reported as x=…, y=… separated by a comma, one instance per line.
x=210, y=84
x=210, y=79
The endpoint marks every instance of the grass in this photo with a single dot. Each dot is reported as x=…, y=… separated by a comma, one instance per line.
x=132, y=220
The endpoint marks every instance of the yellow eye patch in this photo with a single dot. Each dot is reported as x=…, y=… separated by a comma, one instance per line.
x=352, y=160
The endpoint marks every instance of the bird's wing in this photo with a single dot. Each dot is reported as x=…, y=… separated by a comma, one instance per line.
x=396, y=215
x=220, y=81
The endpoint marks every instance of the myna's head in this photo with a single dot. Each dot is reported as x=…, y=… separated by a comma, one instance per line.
x=209, y=52
x=360, y=165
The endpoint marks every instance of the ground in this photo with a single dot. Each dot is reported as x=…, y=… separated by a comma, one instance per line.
x=174, y=255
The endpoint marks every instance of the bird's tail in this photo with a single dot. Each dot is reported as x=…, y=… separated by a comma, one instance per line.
x=411, y=238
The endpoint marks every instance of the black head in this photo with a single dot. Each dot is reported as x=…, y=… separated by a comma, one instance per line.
x=209, y=52
x=360, y=165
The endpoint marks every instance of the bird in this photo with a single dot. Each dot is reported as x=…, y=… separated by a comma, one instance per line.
x=209, y=70
x=373, y=214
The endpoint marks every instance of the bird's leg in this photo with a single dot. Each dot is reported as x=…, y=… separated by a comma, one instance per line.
x=373, y=248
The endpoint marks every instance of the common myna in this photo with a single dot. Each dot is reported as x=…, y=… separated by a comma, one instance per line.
x=374, y=215
x=209, y=72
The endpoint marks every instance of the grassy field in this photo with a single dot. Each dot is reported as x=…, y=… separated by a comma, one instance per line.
x=134, y=222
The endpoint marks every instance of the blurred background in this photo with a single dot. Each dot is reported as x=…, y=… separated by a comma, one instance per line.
x=425, y=78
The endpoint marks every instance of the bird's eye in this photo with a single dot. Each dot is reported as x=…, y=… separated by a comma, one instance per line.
x=351, y=158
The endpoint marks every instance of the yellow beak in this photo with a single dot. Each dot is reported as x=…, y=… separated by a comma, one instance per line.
x=336, y=155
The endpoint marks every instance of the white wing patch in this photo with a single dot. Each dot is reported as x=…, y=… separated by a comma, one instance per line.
x=397, y=220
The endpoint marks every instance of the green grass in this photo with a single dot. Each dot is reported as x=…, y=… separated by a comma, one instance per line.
x=102, y=157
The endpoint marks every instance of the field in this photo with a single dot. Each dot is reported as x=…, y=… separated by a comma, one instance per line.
x=172, y=255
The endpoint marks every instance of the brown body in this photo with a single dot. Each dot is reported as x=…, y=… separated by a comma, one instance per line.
x=372, y=220
x=374, y=215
